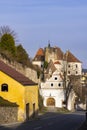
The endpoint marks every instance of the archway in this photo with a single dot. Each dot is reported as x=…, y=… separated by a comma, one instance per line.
x=50, y=102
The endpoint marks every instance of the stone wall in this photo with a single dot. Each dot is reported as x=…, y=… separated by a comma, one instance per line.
x=8, y=114
x=28, y=72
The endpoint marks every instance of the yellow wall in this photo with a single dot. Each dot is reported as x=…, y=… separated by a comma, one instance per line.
x=19, y=94
x=31, y=97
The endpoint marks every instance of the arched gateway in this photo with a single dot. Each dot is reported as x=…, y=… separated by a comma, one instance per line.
x=50, y=102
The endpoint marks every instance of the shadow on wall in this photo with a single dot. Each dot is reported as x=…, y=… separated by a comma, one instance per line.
x=80, y=107
x=9, y=118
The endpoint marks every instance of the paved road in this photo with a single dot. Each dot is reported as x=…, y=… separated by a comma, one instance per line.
x=51, y=121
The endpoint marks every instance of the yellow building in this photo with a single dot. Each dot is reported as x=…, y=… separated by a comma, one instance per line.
x=17, y=88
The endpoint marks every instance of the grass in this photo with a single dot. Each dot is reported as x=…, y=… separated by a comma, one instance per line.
x=58, y=110
x=62, y=110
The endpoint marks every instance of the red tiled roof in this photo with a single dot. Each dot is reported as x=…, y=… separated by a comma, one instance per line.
x=70, y=57
x=40, y=52
x=56, y=62
x=15, y=74
x=39, y=55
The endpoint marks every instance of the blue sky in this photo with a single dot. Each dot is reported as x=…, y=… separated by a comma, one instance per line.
x=63, y=22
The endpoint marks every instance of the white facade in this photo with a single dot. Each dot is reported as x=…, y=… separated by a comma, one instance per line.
x=39, y=63
x=53, y=89
x=74, y=68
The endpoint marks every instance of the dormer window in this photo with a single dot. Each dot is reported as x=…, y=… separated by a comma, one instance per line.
x=4, y=87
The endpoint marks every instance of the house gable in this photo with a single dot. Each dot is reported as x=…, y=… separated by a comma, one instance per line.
x=69, y=57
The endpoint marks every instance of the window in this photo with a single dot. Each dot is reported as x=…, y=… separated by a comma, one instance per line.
x=55, y=78
x=59, y=84
x=41, y=66
x=51, y=84
x=76, y=72
x=69, y=66
x=76, y=66
x=68, y=72
x=4, y=87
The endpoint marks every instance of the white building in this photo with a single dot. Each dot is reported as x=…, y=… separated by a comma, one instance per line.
x=52, y=90
x=73, y=65
x=39, y=58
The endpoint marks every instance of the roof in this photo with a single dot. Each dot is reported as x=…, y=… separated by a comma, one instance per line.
x=56, y=62
x=4, y=102
x=70, y=57
x=59, y=53
x=39, y=55
x=40, y=52
x=15, y=74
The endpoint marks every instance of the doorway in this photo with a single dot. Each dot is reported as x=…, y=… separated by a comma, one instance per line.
x=27, y=111
x=50, y=102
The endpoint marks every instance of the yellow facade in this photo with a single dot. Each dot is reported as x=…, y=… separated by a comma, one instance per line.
x=24, y=96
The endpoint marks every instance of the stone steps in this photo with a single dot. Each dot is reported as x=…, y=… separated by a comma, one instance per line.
x=51, y=109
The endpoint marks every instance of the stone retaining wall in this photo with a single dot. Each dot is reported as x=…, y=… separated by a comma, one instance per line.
x=8, y=114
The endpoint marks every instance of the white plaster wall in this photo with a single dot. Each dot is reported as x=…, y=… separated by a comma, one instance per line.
x=39, y=63
x=73, y=68
x=57, y=94
x=58, y=67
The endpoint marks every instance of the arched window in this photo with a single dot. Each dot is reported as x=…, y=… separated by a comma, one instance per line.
x=4, y=87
